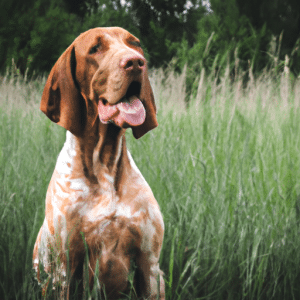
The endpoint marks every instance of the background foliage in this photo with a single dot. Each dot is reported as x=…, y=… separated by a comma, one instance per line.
x=228, y=164
x=255, y=34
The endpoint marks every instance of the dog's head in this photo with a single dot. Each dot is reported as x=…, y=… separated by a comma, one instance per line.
x=103, y=73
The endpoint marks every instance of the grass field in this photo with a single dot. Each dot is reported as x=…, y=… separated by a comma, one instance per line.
x=225, y=172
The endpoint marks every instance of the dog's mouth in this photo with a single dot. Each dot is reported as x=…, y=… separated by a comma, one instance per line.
x=134, y=89
x=128, y=111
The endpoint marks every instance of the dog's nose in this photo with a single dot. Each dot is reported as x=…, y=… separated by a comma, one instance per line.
x=133, y=63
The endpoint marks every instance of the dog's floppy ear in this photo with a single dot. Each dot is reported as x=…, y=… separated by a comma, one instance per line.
x=147, y=99
x=62, y=102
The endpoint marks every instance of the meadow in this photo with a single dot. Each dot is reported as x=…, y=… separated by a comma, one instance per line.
x=225, y=170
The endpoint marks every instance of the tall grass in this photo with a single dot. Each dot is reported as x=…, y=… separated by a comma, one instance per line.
x=224, y=169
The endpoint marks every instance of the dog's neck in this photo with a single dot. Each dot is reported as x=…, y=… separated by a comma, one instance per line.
x=110, y=151
x=99, y=154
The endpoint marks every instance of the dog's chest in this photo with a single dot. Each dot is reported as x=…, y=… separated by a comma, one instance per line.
x=122, y=223
x=99, y=212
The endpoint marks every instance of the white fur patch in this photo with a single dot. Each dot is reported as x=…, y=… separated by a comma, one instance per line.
x=133, y=165
x=148, y=231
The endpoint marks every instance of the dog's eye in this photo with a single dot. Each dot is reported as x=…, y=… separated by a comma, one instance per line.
x=135, y=43
x=94, y=49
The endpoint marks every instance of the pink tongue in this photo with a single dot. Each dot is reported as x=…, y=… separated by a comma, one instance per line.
x=123, y=113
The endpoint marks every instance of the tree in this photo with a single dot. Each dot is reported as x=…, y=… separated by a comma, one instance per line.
x=164, y=24
x=279, y=17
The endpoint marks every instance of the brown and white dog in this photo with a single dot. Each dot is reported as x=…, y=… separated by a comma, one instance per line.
x=97, y=198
